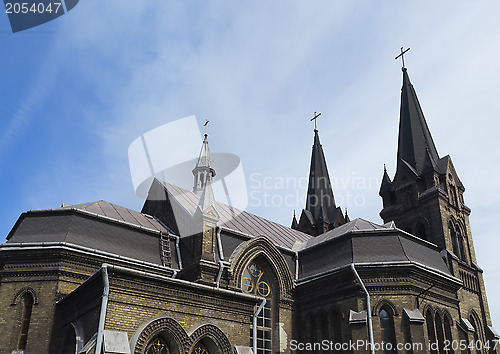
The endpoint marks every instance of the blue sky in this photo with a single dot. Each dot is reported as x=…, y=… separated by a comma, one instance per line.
x=77, y=91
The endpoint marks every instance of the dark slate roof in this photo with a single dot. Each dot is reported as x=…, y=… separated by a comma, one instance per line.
x=415, y=144
x=97, y=225
x=364, y=247
x=117, y=213
x=239, y=220
x=355, y=225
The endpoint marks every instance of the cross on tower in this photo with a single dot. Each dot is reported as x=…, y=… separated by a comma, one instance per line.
x=205, y=125
x=402, y=55
x=315, y=118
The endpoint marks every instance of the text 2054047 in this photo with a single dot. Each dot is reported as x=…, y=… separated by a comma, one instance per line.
x=25, y=8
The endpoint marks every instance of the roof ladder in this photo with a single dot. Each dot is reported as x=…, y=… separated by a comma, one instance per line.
x=166, y=258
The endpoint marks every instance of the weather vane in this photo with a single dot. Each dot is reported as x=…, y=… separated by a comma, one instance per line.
x=205, y=125
x=402, y=55
x=315, y=118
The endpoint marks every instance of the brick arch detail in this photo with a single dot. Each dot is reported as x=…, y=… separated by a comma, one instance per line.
x=155, y=326
x=262, y=247
x=214, y=334
x=21, y=292
x=382, y=303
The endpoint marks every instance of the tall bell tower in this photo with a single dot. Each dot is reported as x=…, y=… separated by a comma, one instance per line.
x=426, y=198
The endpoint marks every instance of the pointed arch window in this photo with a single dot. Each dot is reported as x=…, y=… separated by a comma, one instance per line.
x=387, y=329
x=461, y=247
x=477, y=344
x=256, y=282
x=157, y=346
x=454, y=241
x=431, y=333
x=25, y=323
x=336, y=328
x=420, y=231
x=447, y=331
x=439, y=332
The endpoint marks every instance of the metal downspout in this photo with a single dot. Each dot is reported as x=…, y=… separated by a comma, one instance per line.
x=104, y=307
x=178, y=251
x=368, y=309
x=296, y=265
x=254, y=329
x=220, y=257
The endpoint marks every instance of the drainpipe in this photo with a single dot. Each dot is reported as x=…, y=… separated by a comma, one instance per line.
x=220, y=257
x=296, y=265
x=368, y=309
x=222, y=264
x=178, y=251
x=104, y=307
x=255, y=324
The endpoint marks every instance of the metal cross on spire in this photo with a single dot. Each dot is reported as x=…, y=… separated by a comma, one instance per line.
x=205, y=125
x=315, y=118
x=402, y=55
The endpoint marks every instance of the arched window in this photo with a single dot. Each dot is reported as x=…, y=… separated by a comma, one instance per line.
x=461, y=247
x=440, y=332
x=157, y=346
x=200, y=348
x=255, y=281
x=429, y=321
x=387, y=329
x=454, y=241
x=336, y=328
x=477, y=344
x=25, y=323
x=420, y=231
x=324, y=330
x=447, y=331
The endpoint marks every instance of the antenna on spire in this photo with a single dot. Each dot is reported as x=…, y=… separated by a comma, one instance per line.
x=315, y=118
x=205, y=125
x=402, y=55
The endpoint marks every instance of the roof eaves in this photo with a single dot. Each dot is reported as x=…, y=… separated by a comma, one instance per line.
x=417, y=264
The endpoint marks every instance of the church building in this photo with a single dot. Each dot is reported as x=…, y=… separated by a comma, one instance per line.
x=189, y=274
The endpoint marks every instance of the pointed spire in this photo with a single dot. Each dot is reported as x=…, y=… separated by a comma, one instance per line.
x=203, y=170
x=320, y=200
x=295, y=224
x=415, y=144
x=207, y=198
x=386, y=184
x=346, y=217
x=203, y=176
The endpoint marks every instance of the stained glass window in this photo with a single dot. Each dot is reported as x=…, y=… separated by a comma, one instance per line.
x=255, y=282
x=157, y=346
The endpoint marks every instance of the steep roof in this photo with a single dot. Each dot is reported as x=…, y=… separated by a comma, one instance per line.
x=239, y=220
x=320, y=200
x=99, y=225
x=369, y=245
x=355, y=225
x=415, y=144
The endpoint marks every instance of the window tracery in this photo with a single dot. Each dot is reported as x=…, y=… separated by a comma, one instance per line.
x=157, y=346
x=200, y=348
